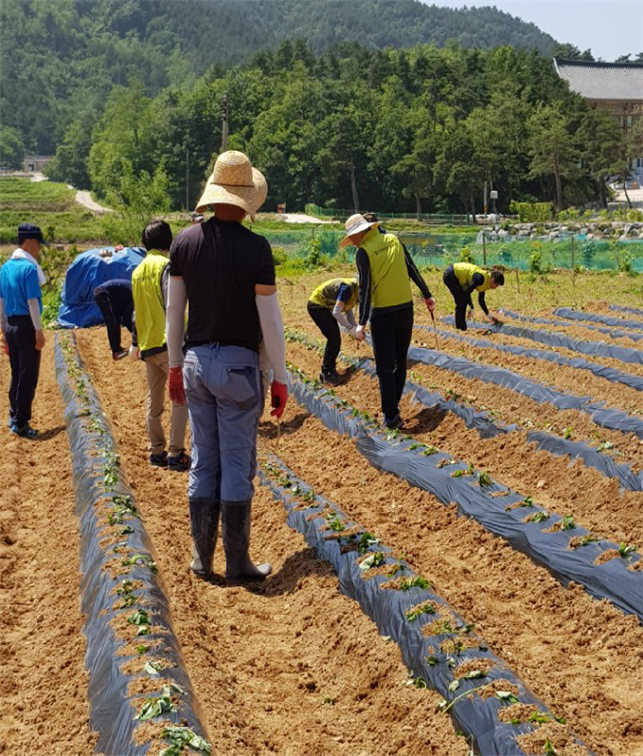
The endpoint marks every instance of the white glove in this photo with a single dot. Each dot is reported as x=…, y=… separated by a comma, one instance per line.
x=360, y=332
x=352, y=332
x=134, y=353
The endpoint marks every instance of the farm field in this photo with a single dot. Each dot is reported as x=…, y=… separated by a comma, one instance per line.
x=295, y=666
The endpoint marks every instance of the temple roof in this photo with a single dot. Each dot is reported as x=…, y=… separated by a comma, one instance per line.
x=602, y=81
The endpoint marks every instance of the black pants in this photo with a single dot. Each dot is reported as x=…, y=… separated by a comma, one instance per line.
x=25, y=367
x=330, y=328
x=113, y=319
x=391, y=332
x=461, y=298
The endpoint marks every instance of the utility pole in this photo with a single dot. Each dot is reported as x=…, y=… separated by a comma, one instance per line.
x=187, y=179
x=224, y=122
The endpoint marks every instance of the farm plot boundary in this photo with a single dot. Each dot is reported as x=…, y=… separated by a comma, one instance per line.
x=562, y=324
x=128, y=618
x=566, y=312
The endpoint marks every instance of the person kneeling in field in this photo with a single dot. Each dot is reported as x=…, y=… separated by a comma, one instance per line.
x=227, y=275
x=329, y=305
x=461, y=279
x=149, y=289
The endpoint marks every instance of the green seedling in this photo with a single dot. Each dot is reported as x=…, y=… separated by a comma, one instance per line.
x=329, y=701
x=443, y=627
x=399, y=567
x=144, y=559
x=567, y=432
x=141, y=649
x=475, y=674
x=567, y=523
x=506, y=696
x=417, y=582
x=153, y=668
x=309, y=496
x=154, y=707
x=626, y=551
x=430, y=450
x=527, y=502
x=420, y=682
x=180, y=737
x=374, y=560
x=139, y=617
x=335, y=523
x=484, y=479
x=540, y=516
x=585, y=540
x=444, y=462
x=605, y=446
x=549, y=748
x=365, y=541
x=418, y=611
x=431, y=660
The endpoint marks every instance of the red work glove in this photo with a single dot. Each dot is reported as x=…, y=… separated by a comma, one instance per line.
x=279, y=394
x=175, y=385
x=430, y=304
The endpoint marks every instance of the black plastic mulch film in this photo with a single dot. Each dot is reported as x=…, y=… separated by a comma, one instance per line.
x=591, y=348
x=429, y=665
x=623, y=308
x=612, y=419
x=602, y=371
x=550, y=321
x=490, y=505
x=103, y=496
x=487, y=428
x=566, y=312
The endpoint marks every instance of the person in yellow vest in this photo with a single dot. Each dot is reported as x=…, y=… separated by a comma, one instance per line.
x=385, y=270
x=462, y=279
x=149, y=288
x=330, y=306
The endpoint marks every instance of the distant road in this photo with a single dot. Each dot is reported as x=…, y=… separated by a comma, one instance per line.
x=85, y=198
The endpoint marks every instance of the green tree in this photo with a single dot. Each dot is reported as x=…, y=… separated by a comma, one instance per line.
x=12, y=149
x=602, y=145
x=551, y=147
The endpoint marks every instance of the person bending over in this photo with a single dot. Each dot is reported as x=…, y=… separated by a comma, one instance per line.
x=462, y=279
x=116, y=304
x=330, y=306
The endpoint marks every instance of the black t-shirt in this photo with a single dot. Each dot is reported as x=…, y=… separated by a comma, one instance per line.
x=220, y=263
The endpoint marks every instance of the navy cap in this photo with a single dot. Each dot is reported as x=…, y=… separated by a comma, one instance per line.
x=30, y=231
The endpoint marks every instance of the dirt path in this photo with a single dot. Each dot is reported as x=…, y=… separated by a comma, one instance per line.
x=292, y=668
x=85, y=198
x=44, y=683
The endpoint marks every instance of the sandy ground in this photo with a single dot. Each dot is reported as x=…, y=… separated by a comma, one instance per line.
x=294, y=667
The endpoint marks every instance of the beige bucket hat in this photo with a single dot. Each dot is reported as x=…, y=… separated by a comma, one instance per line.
x=355, y=225
x=234, y=182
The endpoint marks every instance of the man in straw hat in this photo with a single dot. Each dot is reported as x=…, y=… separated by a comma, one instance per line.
x=385, y=267
x=226, y=273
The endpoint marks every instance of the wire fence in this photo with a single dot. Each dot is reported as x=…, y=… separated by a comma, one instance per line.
x=440, y=250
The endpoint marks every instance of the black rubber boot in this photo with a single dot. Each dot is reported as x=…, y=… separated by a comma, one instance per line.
x=235, y=529
x=204, y=524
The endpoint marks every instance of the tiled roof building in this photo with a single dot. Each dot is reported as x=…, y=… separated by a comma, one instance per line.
x=614, y=87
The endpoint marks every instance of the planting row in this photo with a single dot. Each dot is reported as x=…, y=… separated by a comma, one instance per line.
x=578, y=655
x=442, y=651
x=580, y=556
x=136, y=668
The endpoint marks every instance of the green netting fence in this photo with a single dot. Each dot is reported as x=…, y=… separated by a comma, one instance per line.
x=440, y=250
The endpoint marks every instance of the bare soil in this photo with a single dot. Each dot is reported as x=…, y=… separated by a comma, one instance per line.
x=293, y=666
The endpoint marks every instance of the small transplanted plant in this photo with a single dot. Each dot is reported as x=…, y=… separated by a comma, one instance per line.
x=626, y=551
x=181, y=738
x=540, y=516
x=417, y=611
x=376, y=559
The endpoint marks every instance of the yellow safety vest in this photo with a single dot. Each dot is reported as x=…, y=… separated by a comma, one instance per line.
x=464, y=272
x=390, y=284
x=325, y=295
x=148, y=301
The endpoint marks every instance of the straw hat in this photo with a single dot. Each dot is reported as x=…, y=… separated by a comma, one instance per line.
x=234, y=182
x=355, y=225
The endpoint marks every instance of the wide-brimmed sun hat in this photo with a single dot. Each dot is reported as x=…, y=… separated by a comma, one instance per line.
x=355, y=225
x=234, y=182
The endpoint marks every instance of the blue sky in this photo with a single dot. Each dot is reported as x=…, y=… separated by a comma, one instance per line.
x=609, y=28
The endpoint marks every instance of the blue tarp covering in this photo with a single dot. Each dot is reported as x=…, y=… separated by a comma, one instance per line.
x=89, y=270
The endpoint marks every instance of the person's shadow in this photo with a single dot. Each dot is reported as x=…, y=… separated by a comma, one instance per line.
x=426, y=420
x=301, y=564
x=268, y=428
x=51, y=433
